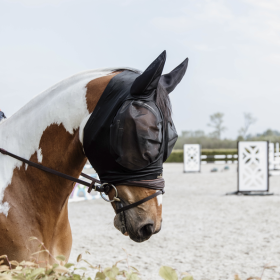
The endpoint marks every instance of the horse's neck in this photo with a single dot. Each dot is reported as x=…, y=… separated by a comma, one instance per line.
x=46, y=130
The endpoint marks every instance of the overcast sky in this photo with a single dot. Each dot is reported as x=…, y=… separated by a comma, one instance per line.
x=233, y=47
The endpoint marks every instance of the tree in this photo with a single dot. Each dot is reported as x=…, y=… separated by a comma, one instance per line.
x=269, y=132
x=194, y=134
x=198, y=133
x=216, y=121
x=186, y=134
x=248, y=121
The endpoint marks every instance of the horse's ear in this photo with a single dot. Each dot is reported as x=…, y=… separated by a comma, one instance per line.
x=148, y=80
x=171, y=80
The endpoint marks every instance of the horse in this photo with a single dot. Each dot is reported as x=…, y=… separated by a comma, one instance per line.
x=49, y=130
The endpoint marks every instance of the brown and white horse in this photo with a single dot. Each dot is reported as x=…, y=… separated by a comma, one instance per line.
x=49, y=130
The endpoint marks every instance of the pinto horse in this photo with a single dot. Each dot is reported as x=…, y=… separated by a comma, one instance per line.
x=49, y=131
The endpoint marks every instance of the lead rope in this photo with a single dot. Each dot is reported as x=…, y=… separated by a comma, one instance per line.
x=95, y=184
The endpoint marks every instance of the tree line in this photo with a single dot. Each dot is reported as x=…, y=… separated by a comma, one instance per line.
x=214, y=139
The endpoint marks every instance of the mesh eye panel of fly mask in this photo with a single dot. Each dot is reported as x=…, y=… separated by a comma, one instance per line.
x=128, y=136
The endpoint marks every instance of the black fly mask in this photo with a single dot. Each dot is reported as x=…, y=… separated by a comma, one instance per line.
x=130, y=133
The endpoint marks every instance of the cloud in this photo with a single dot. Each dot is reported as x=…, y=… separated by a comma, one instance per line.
x=174, y=24
x=274, y=58
x=258, y=23
x=266, y=4
x=195, y=15
x=213, y=11
x=207, y=48
x=38, y=2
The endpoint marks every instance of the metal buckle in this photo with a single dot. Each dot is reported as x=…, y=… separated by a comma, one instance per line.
x=115, y=197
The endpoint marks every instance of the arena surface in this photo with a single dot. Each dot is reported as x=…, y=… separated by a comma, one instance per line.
x=204, y=232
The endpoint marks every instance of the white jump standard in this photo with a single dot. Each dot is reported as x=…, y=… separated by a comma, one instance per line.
x=253, y=164
x=192, y=160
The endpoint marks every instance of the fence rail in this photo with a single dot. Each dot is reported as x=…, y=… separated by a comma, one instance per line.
x=228, y=159
x=226, y=156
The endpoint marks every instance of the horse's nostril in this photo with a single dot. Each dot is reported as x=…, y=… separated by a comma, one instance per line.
x=146, y=231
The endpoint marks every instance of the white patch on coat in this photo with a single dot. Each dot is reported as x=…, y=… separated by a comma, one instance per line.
x=4, y=208
x=159, y=199
x=81, y=130
x=39, y=155
x=64, y=103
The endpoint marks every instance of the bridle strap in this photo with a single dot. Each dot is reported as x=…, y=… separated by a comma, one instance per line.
x=157, y=184
x=139, y=202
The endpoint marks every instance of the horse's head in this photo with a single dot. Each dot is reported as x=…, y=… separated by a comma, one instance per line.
x=127, y=138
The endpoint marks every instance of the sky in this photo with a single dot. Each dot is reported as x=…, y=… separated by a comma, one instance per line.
x=233, y=49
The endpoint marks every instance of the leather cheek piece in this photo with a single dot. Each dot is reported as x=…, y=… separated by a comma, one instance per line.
x=136, y=135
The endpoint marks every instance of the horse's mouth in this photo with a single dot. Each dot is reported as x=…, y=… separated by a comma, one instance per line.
x=141, y=234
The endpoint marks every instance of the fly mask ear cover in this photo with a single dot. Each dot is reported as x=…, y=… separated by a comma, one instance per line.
x=125, y=138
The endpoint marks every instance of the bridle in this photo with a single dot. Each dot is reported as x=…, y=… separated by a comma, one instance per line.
x=156, y=184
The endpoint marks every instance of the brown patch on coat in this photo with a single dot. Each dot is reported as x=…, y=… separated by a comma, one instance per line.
x=38, y=200
x=95, y=88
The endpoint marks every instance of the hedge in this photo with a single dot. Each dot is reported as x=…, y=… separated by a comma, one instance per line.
x=178, y=155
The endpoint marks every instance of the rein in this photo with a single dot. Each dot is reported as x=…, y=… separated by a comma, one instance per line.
x=157, y=184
